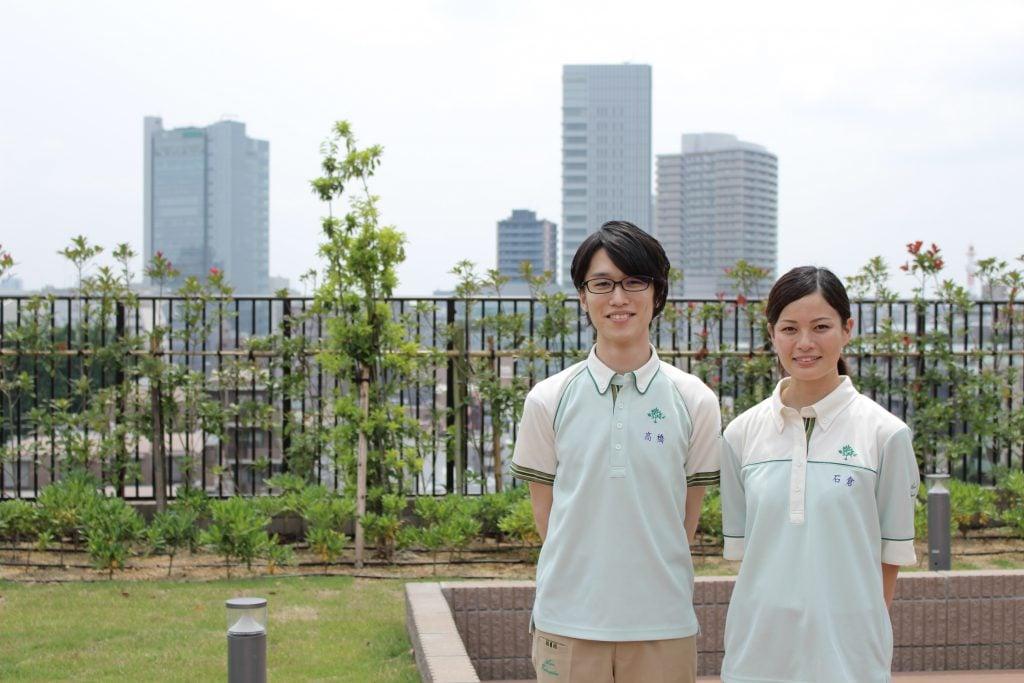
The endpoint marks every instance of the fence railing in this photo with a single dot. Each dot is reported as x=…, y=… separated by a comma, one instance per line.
x=244, y=397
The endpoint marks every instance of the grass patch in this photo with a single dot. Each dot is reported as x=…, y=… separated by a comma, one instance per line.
x=321, y=628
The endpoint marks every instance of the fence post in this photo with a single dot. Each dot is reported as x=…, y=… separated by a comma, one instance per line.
x=450, y=448
x=157, y=443
x=122, y=398
x=364, y=412
x=496, y=418
x=286, y=399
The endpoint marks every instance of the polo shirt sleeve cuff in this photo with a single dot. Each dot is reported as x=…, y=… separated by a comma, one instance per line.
x=527, y=474
x=898, y=552
x=733, y=548
x=703, y=479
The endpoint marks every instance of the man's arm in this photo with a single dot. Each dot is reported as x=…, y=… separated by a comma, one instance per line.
x=889, y=573
x=694, y=498
x=540, y=498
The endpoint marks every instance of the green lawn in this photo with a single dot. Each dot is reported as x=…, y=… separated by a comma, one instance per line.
x=321, y=628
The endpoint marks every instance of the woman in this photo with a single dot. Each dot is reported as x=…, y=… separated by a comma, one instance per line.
x=818, y=490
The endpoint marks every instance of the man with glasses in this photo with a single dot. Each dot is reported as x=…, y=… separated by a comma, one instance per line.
x=617, y=450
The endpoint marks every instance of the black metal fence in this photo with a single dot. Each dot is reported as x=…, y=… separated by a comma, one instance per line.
x=77, y=379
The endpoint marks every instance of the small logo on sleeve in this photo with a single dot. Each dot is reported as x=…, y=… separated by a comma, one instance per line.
x=656, y=415
x=847, y=452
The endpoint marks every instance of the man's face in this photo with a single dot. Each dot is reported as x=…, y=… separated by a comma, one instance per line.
x=620, y=317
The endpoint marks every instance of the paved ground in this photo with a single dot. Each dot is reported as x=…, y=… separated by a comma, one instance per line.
x=941, y=677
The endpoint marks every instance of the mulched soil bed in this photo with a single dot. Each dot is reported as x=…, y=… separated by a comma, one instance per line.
x=985, y=549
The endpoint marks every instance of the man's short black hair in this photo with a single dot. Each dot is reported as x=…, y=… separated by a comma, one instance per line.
x=632, y=250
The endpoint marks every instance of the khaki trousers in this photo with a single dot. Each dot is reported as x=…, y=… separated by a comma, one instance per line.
x=571, y=660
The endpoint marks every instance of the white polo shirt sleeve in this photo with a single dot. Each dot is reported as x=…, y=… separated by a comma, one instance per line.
x=534, y=456
x=896, y=493
x=734, y=504
x=704, y=455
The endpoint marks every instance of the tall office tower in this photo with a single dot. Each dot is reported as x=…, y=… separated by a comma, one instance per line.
x=207, y=201
x=718, y=203
x=606, y=150
x=524, y=237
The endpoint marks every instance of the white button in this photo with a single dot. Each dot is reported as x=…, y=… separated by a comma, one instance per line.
x=618, y=446
x=798, y=489
x=619, y=425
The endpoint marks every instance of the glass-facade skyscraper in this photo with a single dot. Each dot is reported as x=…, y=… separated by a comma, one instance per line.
x=717, y=203
x=207, y=201
x=606, y=151
x=524, y=237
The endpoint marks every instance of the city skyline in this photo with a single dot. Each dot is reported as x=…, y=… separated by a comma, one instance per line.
x=890, y=131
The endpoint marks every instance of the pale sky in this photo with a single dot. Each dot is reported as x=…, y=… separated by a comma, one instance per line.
x=892, y=121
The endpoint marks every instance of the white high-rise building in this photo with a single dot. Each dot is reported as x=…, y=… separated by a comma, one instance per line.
x=717, y=203
x=606, y=151
x=207, y=201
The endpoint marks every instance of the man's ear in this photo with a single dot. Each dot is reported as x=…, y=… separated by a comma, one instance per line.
x=582, y=293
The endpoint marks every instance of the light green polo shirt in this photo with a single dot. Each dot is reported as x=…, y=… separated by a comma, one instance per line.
x=813, y=502
x=619, y=452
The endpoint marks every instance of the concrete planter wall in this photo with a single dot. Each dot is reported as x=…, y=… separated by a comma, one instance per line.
x=942, y=621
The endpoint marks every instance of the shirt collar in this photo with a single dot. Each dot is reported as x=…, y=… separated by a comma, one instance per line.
x=602, y=374
x=824, y=411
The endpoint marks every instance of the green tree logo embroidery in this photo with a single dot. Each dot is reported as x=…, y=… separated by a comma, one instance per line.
x=847, y=452
x=549, y=667
x=656, y=415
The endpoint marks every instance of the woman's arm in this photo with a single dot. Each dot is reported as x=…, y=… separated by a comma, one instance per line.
x=889, y=573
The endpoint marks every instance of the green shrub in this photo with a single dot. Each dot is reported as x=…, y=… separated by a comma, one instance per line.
x=194, y=501
x=278, y=554
x=519, y=524
x=710, y=523
x=63, y=504
x=1010, y=495
x=171, y=531
x=237, y=531
x=382, y=528
x=18, y=520
x=449, y=523
x=109, y=527
x=491, y=507
x=971, y=506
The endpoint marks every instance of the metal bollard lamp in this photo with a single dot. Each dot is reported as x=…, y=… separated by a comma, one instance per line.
x=939, y=541
x=247, y=640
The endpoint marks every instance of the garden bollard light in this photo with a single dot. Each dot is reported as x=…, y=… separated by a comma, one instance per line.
x=938, y=523
x=247, y=640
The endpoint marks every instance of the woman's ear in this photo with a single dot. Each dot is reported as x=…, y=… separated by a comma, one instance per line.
x=583, y=298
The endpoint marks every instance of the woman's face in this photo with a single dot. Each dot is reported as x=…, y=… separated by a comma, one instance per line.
x=809, y=338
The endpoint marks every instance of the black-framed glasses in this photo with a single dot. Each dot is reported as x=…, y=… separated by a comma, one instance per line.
x=606, y=285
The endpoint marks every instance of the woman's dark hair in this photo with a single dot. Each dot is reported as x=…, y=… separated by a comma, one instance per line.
x=805, y=280
x=632, y=250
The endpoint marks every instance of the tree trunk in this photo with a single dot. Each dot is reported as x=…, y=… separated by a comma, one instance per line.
x=364, y=410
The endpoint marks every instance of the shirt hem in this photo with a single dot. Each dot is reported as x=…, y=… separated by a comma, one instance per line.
x=618, y=636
